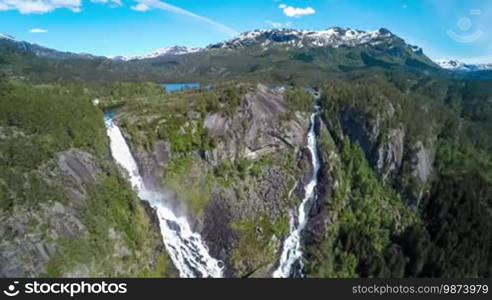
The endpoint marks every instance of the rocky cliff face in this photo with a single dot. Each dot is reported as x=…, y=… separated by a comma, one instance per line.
x=390, y=151
x=322, y=215
x=240, y=191
x=247, y=182
x=37, y=239
x=32, y=234
x=256, y=129
x=255, y=132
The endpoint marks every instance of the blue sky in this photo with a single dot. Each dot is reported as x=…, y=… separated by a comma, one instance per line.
x=444, y=28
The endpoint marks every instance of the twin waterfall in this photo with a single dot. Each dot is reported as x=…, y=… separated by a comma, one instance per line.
x=291, y=264
x=185, y=247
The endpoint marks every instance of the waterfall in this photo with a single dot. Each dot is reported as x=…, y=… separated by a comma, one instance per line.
x=185, y=247
x=291, y=257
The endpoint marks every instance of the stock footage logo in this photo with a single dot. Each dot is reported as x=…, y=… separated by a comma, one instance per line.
x=65, y=288
x=11, y=290
x=465, y=25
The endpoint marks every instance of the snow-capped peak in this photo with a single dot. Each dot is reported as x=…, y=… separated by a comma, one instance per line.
x=120, y=57
x=450, y=64
x=333, y=37
x=6, y=37
x=457, y=65
x=175, y=50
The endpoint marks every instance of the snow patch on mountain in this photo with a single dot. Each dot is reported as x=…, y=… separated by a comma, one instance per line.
x=176, y=50
x=457, y=65
x=167, y=51
x=332, y=37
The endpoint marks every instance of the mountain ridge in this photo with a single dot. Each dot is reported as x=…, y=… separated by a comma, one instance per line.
x=331, y=37
x=42, y=51
x=457, y=65
x=165, y=51
x=281, y=54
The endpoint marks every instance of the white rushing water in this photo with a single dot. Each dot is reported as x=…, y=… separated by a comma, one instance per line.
x=185, y=247
x=292, y=249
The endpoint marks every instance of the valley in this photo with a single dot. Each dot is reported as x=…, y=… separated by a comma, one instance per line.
x=278, y=153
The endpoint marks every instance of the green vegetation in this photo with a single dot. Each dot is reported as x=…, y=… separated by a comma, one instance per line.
x=376, y=233
x=377, y=99
x=299, y=100
x=277, y=64
x=178, y=117
x=258, y=242
x=118, y=233
x=162, y=267
x=46, y=119
x=229, y=172
x=457, y=215
x=38, y=123
x=189, y=179
x=369, y=214
x=376, y=210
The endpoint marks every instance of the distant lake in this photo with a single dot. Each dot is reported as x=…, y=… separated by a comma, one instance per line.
x=174, y=87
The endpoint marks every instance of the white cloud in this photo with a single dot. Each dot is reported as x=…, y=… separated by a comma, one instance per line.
x=38, y=30
x=278, y=24
x=39, y=6
x=296, y=12
x=44, y=6
x=157, y=4
x=140, y=7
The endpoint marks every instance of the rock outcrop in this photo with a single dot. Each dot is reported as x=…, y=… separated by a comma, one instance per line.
x=151, y=164
x=424, y=161
x=256, y=128
x=389, y=150
x=389, y=155
x=29, y=235
x=33, y=234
